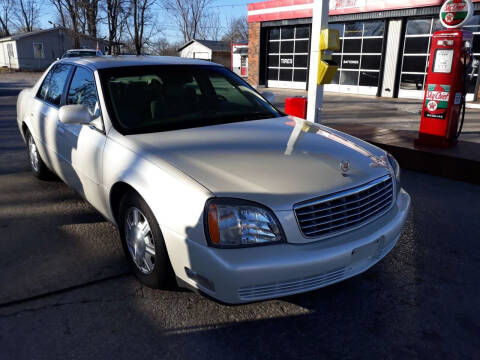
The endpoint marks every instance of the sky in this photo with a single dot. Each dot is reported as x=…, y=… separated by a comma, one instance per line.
x=226, y=9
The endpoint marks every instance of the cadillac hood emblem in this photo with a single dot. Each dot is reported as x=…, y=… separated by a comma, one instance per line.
x=345, y=166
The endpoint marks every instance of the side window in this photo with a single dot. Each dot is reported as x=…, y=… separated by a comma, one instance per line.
x=57, y=84
x=42, y=92
x=82, y=90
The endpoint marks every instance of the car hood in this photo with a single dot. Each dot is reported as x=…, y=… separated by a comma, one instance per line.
x=277, y=162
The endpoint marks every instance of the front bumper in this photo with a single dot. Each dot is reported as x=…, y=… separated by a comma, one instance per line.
x=251, y=274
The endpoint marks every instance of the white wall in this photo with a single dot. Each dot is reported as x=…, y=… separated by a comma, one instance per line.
x=196, y=51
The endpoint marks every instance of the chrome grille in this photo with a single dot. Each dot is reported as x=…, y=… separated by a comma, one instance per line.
x=345, y=210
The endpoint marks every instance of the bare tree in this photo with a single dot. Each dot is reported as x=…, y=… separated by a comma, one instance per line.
x=116, y=15
x=191, y=16
x=237, y=30
x=59, y=6
x=90, y=10
x=140, y=25
x=6, y=7
x=72, y=8
x=163, y=47
x=26, y=14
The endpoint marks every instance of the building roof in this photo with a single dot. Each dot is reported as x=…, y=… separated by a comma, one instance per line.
x=38, y=32
x=104, y=62
x=211, y=44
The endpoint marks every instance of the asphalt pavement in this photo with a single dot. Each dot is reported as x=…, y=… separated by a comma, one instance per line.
x=65, y=289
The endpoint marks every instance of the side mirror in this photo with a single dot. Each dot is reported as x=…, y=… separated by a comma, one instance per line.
x=269, y=96
x=75, y=114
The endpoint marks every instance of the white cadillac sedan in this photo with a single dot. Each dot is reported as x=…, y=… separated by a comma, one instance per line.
x=207, y=181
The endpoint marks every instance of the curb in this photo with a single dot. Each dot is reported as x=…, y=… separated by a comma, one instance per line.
x=451, y=167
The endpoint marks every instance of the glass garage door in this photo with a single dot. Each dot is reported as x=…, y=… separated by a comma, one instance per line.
x=288, y=55
x=360, y=57
x=416, y=55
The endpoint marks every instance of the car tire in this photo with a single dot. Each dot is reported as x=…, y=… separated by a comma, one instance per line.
x=152, y=268
x=39, y=169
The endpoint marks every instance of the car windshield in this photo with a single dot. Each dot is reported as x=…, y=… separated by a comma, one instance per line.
x=145, y=99
x=70, y=54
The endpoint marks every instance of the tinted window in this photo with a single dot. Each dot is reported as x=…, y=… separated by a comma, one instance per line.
x=371, y=62
x=417, y=45
x=275, y=33
x=288, y=32
x=161, y=98
x=353, y=29
x=42, y=92
x=273, y=60
x=301, y=61
x=419, y=26
x=301, y=46
x=286, y=75
x=82, y=89
x=286, y=47
x=352, y=46
x=57, y=83
x=302, y=32
x=374, y=28
x=414, y=63
x=412, y=82
x=349, y=78
x=274, y=47
x=273, y=74
x=372, y=45
x=300, y=75
x=369, y=78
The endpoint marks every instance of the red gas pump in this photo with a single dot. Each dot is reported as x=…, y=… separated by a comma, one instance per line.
x=445, y=87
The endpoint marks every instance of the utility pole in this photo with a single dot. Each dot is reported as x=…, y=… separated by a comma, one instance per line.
x=315, y=92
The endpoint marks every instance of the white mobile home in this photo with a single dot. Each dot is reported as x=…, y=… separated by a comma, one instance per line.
x=36, y=50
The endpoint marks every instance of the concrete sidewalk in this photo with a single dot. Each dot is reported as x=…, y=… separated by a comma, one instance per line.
x=385, y=113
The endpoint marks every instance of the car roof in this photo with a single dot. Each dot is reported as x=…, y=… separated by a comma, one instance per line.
x=81, y=50
x=105, y=62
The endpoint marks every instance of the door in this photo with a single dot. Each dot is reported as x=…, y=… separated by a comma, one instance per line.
x=82, y=145
x=44, y=123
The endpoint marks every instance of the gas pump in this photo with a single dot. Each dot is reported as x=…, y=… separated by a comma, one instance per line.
x=450, y=65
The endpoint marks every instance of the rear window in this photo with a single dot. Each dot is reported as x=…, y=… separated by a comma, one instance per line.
x=161, y=98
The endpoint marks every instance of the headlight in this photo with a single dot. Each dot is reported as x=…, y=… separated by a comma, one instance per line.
x=236, y=223
x=396, y=169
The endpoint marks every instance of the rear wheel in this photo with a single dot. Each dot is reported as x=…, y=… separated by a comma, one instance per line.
x=143, y=242
x=37, y=165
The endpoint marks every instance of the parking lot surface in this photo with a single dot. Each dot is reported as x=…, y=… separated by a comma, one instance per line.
x=66, y=292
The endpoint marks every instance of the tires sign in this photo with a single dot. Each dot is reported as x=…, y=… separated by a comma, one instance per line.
x=456, y=13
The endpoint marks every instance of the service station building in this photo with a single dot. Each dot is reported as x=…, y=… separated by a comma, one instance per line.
x=384, y=45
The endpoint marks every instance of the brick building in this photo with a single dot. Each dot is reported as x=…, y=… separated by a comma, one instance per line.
x=385, y=44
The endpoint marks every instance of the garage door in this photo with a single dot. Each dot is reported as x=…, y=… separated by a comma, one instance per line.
x=288, y=55
x=416, y=55
x=360, y=57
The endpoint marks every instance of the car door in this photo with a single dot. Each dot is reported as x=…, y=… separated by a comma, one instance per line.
x=44, y=123
x=82, y=145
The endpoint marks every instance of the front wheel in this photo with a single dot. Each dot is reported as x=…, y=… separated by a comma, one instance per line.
x=37, y=165
x=143, y=242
